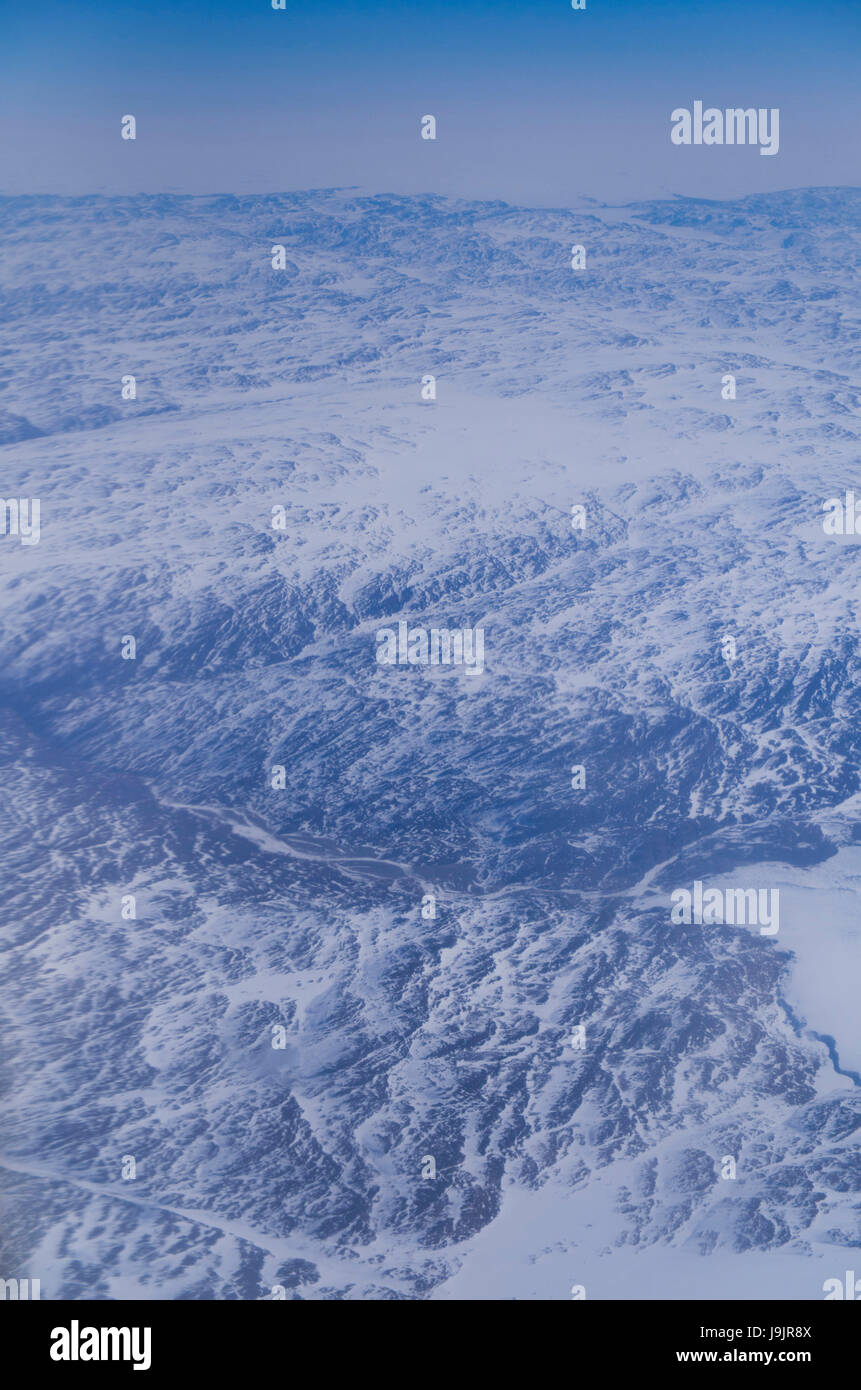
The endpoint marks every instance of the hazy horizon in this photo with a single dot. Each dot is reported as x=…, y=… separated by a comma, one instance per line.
x=535, y=103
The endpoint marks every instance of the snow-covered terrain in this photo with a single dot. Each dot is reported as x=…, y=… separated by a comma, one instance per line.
x=410, y=1037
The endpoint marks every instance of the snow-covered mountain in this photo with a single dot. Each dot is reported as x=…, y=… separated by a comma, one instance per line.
x=299, y=1158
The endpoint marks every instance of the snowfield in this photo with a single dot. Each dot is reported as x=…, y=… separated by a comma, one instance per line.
x=406, y=1036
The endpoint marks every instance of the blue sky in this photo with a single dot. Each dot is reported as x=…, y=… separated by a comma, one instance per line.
x=535, y=102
